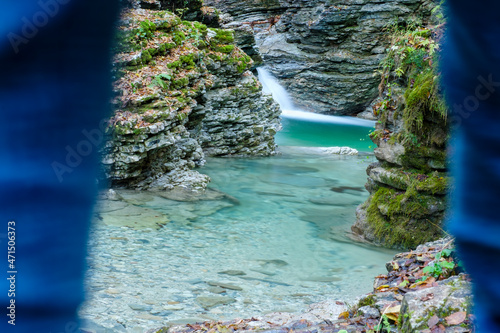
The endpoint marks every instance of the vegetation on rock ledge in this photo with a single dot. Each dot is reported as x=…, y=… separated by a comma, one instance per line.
x=169, y=67
x=407, y=204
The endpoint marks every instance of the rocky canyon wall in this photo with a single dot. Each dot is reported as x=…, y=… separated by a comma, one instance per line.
x=325, y=52
x=409, y=183
x=182, y=92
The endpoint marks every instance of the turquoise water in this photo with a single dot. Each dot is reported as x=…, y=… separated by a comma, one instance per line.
x=283, y=226
x=280, y=225
x=302, y=128
x=316, y=134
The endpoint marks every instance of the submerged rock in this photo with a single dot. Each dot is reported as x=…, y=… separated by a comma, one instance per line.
x=140, y=307
x=224, y=285
x=233, y=272
x=320, y=150
x=130, y=216
x=208, y=302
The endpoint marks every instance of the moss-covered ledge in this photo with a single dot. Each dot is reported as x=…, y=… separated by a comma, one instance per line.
x=434, y=182
x=409, y=182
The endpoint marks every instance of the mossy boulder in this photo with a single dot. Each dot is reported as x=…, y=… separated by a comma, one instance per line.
x=402, y=219
x=450, y=297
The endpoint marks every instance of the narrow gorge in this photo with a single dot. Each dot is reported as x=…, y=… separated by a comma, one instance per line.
x=237, y=156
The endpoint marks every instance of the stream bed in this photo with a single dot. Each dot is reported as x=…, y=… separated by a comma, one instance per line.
x=271, y=237
x=270, y=234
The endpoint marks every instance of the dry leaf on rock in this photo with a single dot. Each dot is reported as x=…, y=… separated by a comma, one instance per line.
x=438, y=329
x=433, y=321
x=456, y=318
x=427, y=297
x=344, y=315
x=392, y=312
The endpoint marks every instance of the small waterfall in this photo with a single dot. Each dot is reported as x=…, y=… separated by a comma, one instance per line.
x=271, y=86
x=289, y=110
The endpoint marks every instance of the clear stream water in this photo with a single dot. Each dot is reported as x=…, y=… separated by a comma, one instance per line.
x=286, y=232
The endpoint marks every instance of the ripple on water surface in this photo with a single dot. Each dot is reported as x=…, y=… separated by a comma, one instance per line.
x=271, y=237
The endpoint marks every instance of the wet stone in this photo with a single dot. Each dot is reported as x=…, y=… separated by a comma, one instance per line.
x=173, y=307
x=149, y=317
x=112, y=291
x=274, y=262
x=233, y=272
x=369, y=312
x=261, y=271
x=208, y=302
x=224, y=285
x=140, y=307
x=161, y=313
x=216, y=290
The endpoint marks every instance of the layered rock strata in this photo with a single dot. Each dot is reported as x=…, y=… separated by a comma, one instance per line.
x=326, y=53
x=183, y=91
x=409, y=183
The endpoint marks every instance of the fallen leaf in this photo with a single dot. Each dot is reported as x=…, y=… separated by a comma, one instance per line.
x=344, y=315
x=392, y=316
x=427, y=297
x=433, y=321
x=392, y=312
x=393, y=309
x=456, y=318
x=438, y=329
x=404, y=283
x=383, y=286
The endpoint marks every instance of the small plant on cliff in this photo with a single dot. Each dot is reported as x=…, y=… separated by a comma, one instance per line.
x=412, y=50
x=441, y=267
x=384, y=325
x=161, y=80
x=410, y=64
x=146, y=30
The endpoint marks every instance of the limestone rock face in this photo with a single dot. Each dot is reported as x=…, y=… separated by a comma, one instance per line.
x=237, y=119
x=326, y=53
x=183, y=91
x=409, y=183
x=451, y=296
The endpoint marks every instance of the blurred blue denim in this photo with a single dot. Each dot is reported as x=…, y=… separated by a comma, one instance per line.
x=471, y=76
x=55, y=83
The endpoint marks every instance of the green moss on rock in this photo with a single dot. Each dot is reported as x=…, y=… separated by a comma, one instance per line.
x=422, y=97
x=179, y=83
x=223, y=37
x=401, y=219
x=224, y=48
x=183, y=60
x=178, y=37
x=407, y=203
x=368, y=300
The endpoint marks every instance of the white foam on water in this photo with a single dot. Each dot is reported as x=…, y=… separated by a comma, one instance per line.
x=323, y=118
